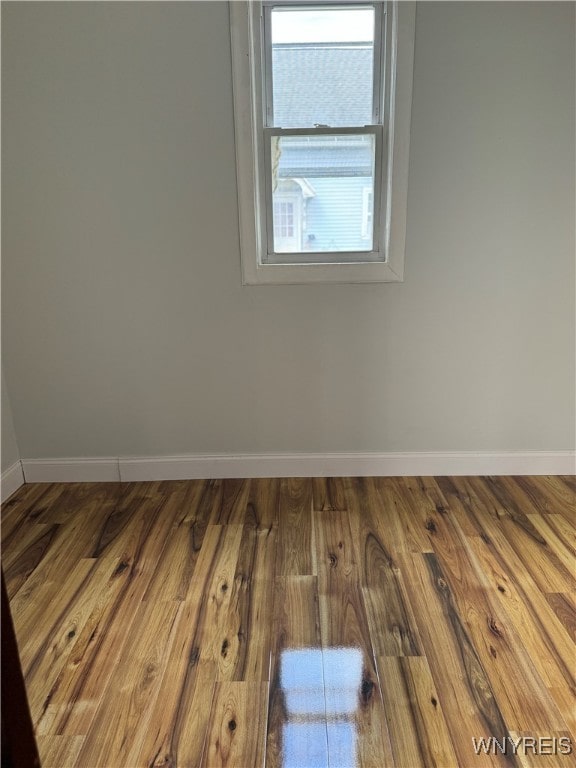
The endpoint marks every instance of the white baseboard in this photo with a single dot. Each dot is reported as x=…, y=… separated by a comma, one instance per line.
x=12, y=479
x=191, y=467
x=89, y=470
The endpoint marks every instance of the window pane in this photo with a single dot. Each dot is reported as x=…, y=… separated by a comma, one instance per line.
x=323, y=192
x=322, y=66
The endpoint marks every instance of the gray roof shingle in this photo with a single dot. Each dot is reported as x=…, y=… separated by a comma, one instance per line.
x=315, y=83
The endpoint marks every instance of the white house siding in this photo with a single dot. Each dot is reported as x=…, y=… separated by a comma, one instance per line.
x=334, y=214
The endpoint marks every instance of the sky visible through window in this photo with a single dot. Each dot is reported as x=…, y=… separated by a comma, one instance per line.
x=346, y=25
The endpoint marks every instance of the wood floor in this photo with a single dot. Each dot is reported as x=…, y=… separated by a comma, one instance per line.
x=300, y=623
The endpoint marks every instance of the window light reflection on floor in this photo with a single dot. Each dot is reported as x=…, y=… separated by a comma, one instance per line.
x=321, y=690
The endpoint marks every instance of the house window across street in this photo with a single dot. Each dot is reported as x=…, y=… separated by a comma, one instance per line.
x=287, y=223
x=367, y=212
x=322, y=188
x=283, y=219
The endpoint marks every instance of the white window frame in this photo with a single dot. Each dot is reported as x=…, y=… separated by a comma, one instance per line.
x=246, y=24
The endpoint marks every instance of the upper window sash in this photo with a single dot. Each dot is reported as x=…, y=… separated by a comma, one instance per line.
x=378, y=62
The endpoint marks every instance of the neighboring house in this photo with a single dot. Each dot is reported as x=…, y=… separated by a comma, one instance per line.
x=323, y=197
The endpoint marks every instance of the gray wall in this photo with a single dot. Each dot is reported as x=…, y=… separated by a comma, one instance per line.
x=9, y=454
x=126, y=327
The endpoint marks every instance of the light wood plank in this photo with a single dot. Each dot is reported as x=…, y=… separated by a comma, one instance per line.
x=335, y=621
x=329, y=493
x=295, y=527
x=19, y=564
x=25, y=507
x=140, y=545
x=296, y=625
x=514, y=531
x=237, y=725
x=344, y=630
x=180, y=717
x=464, y=690
x=550, y=494
x=392, y=622
x=59, y=751
x=564, y=606
x=122, y=719
x=416, y=722
x=551, y=532
x=245, y=649
x=233, y=502
x=173, y=571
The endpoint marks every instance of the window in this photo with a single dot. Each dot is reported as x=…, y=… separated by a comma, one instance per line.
x=322, y=98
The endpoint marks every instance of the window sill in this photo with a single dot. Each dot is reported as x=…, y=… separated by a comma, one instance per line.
x=295, y=274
